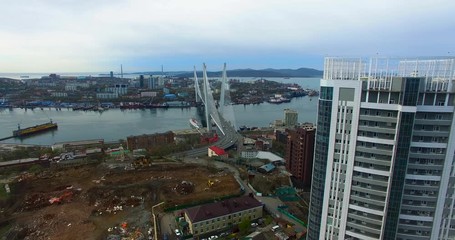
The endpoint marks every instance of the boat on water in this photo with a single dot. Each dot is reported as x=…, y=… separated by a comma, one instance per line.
x=278, y=100
x=195, y=124
x=35, y=129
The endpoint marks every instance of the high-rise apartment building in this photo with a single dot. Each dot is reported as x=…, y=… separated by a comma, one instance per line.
x=299, y=153
x=290, y=117
x=384, y=154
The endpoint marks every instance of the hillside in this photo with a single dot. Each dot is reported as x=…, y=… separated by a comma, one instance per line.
x=269, y=72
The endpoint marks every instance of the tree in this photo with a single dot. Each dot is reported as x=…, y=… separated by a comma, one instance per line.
x=244, y=226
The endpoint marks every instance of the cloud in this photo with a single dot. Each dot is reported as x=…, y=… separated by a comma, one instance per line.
x=72, y=35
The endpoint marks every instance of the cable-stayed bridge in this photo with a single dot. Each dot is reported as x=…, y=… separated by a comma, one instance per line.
x=223, y=115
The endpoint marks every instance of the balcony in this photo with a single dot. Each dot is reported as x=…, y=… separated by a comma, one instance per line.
x=411, y=236
x=421, y=187
x=380, y=151
x=425, y=166
x=385, y=163
x=382, y=183
x=367, y=218
x=360, y=227
x=416, y=207
x=375, y=118
x=426, y=133
x=439, y=122
x=429, y=198
x=390, y=130
x=371, y=191
x=427, y=155
x=377, y=205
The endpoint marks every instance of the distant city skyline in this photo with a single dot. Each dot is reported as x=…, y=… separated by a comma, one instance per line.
x=98, y=36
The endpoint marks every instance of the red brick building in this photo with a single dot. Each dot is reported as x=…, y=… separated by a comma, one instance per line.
x=299, y=153
x=150, y=141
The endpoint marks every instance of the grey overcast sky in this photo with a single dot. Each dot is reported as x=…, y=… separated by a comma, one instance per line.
x=99, y=35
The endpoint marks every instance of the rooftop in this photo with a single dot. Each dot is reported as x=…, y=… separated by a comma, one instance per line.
x=219, y=151
x=269, y=156
x=384, y=69
x=268, y=167
x=222, y=208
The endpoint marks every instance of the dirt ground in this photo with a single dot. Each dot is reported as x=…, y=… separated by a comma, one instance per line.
x=104, y=202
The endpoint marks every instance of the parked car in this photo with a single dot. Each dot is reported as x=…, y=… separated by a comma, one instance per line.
x=177, y=232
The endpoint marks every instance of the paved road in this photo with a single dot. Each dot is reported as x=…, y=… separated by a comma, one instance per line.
x=231, y=137
x=272, y=203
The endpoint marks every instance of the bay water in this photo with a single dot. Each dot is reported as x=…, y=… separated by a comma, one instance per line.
x=115, y=124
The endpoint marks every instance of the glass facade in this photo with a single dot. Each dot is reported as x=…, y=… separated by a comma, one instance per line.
x=320, y=161
x=399, y=173
x=411, y=91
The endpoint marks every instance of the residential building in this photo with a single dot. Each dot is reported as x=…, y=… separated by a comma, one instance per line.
x=212, y=217
x=152, y=82
x=59, y=94
x=120, y=89
x=290, y=117
x=299, y=153
x=107, y=95
x=248, y=154
x=384, y=155
x=73, y=86
x=148, y=94
x=281, y=136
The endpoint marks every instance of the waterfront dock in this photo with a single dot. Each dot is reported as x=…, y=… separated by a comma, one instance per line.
x=6, y=138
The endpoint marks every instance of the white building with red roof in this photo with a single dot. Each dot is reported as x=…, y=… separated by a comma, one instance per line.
x=214, y=151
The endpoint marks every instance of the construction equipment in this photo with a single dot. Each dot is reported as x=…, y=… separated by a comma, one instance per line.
x=210, y=183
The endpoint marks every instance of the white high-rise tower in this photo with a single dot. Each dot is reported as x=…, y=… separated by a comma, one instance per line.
x=384, y=156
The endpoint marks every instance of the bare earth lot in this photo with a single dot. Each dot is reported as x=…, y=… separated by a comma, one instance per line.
x=97, y=201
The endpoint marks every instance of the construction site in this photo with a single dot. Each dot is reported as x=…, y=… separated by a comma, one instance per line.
x=103, y=201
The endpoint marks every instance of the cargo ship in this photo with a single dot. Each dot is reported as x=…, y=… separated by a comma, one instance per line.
x=34, y=130
x=195, y=124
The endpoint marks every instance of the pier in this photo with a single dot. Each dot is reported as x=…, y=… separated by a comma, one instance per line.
x=5, y=138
